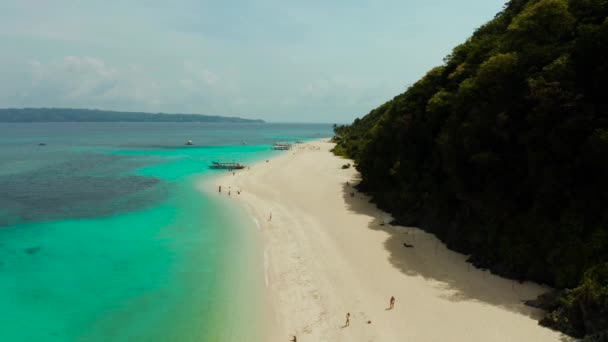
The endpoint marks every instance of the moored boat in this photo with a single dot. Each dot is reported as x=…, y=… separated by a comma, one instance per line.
x=281, y=146
x=226, y=166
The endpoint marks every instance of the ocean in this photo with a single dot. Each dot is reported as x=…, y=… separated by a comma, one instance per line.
x=106, y=234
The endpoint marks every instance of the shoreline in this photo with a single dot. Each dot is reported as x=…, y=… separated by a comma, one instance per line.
x=326, y=253
x=243, y=289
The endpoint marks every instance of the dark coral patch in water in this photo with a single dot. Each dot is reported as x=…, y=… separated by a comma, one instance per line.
x=33, y=250
x=78, y=188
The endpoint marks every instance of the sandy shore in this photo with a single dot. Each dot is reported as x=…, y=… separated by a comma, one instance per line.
x=327, y=253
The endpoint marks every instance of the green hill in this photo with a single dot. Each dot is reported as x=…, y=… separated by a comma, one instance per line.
x=502, y=152
x=94, y=115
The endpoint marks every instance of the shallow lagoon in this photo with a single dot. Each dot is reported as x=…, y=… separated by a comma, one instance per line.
x=105, y=236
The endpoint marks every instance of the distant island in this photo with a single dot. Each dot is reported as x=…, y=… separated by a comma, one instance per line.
x=95, y=115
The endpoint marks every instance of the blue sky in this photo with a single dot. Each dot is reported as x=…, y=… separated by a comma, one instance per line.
x=279, y=60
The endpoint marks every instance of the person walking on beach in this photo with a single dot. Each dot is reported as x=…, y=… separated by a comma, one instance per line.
x=219, y=189
x=392, y=303
x=270, y=217
x=347, y=319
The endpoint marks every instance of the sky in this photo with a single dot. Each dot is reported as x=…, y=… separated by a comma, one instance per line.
x=277, y=60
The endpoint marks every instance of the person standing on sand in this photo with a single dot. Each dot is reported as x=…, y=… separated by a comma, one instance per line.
x=219, y=189
x=270, y=217
x=392, y=303
x=347, y=319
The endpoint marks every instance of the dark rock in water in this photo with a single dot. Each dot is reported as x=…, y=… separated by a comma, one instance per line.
x=32, y=250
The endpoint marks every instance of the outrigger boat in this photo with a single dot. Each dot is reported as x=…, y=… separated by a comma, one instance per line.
x=226, y=166
x=281, y=146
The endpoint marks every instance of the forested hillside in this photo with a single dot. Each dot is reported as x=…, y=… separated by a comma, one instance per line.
x=503, y=153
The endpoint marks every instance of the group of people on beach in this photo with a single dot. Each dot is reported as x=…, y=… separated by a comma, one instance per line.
x=391, y=305
x=219, y=190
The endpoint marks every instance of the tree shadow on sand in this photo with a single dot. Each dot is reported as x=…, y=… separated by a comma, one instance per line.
x=418, y=253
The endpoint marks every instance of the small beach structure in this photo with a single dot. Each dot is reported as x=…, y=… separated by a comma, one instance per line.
x=226, y=166
x=281, y=146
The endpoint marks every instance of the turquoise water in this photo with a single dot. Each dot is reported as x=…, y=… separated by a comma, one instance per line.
x=105, y=236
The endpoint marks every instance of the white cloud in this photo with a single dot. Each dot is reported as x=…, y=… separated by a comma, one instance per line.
x=187, y=84
x=36, y=70
x=201, y=73
x=271, y=58
x=342, y=89
x=85, y=81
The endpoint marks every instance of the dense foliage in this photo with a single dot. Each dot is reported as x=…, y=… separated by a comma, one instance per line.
x=503, y=152
x=94, y=115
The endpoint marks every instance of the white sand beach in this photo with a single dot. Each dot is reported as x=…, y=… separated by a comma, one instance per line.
x=327, y=253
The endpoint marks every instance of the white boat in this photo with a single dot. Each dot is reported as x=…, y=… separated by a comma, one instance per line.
x=189, y=142
x=281, y=146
